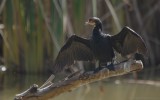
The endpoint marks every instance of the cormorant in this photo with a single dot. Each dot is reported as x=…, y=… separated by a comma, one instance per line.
x=99, y=47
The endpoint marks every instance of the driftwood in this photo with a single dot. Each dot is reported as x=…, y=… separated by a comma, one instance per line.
x=50, y=90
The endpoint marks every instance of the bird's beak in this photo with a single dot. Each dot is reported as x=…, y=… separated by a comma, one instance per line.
x=87, y=23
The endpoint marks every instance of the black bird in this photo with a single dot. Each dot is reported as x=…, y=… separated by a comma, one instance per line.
x=99, y=46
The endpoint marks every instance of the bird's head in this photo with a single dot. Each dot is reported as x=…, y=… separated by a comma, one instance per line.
x=94, y=21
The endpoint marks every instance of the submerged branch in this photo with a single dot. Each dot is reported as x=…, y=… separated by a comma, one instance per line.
x=76, y=80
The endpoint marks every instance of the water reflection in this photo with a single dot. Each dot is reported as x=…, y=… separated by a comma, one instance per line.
x=106, y=90
x=113, y=91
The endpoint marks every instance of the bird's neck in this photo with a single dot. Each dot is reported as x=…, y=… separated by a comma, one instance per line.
x=97, y=29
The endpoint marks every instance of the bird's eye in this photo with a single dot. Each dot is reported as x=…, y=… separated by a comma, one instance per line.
x=90, y=20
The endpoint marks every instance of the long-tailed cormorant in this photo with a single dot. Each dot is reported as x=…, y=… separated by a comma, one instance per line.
x=99, y=47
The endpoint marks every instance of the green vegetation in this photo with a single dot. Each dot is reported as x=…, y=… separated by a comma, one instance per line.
x=29, y=28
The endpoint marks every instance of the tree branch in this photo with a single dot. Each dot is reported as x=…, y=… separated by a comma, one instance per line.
x=51, y=90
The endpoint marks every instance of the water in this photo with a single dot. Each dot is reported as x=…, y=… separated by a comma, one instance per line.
x=113, y=91
x=13, y=84
x=106, y=90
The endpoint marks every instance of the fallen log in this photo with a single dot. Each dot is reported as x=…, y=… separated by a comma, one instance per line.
x=51, y=90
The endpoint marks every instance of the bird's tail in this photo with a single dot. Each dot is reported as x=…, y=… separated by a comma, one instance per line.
x=56, y=69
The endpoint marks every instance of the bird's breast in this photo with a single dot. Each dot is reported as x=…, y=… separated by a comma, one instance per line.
x=102, y=48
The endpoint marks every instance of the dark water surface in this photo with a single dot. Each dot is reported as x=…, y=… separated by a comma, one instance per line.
x=106, y=90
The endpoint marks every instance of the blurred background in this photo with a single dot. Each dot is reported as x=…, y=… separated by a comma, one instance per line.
x=33, y=31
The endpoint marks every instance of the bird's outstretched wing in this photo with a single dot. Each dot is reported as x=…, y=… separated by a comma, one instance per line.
x=75, y=49
x=128, y=42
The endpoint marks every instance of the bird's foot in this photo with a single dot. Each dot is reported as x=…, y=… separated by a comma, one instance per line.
x=110, y=67
x=98, y=69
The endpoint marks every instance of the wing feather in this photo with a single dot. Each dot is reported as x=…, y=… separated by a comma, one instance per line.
x=75, y=49
x=128, y=42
